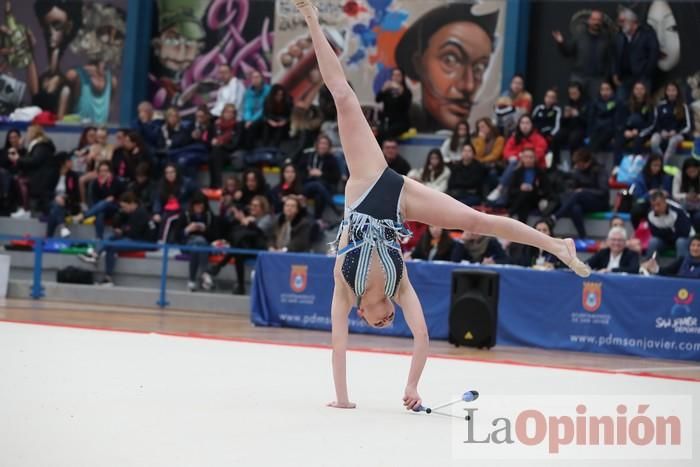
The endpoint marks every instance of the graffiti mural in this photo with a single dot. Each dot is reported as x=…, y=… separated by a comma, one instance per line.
x=452, y=53
x=192, y=37
x=63, y=56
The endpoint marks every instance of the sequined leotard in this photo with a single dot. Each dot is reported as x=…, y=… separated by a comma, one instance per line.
x=374, y=223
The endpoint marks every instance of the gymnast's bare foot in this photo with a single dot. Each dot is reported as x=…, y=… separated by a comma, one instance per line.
x=341, y=405
x=305, y=7
x=568, y=257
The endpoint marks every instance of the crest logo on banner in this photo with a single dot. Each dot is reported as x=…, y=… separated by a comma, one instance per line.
x=298, y=278
x=592, y=296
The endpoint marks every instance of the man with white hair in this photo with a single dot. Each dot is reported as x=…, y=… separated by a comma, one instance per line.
x=636, y=53
x=616, y=257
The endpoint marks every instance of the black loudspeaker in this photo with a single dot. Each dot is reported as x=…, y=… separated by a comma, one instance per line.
x=474, y=308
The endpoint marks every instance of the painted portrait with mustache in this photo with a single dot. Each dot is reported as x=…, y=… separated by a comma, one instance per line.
x=448, y=50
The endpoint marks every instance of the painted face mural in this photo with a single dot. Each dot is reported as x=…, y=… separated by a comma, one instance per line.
x=661, y=18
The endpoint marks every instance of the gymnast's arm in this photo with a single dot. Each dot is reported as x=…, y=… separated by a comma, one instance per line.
x=413, y=314
x=340, y=309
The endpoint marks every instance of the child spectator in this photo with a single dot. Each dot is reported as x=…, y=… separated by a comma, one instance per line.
x=434, y=174
x=451, y=148
x=672, y=122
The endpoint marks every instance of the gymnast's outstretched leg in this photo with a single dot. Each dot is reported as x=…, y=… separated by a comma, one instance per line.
x=432, y=207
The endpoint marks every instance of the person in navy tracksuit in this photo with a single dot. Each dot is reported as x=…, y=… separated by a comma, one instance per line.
x=672, y=122
x=635, y=122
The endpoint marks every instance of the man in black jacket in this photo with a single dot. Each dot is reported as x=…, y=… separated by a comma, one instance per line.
x=636, y=54
x=321, y=175
x=616, y=257
x=39, y=166
x=390, y=147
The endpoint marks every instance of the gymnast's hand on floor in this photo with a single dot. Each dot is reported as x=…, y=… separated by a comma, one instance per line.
x=341, y=405
x=411, y=398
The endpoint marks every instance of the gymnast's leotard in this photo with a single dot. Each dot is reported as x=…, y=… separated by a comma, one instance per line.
x=374, y=223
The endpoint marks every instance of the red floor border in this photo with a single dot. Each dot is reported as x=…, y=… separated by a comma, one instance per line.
x=353, y=349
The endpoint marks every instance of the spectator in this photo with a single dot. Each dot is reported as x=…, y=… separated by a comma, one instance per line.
x=573, y=122
x=88, y=138
x=142, y=186
x=131, y=224
x=253, y=184
x=635, y=122
x=686, y=189
x=321, y=176
x=670, y=226
x=147, y=127
x=277, y=112
x=96, y=155
x=102, y=139
x=547, y=116
x=289, y=185
x=672, y=122
x=652, y=178
x=198, y=227
x=636, y=54
x=602, y=119
x=203, y=126
x=13, y=140
x=230, y=194
x=451, y=148
x=616, y=257
x=396, y=99
x=251, y=231
x=105, y=190
x=292, y=231
x=39, y=168
x=66, y=196
x=231, y=91
x=591, y=50
x=589, y=191
x=533, y=257
x=488, y=143
x=521, y=99
x=390, y=147
x=506, y=116
x=226, y=138
x=15, y=185
x=435, y=245
x=133, y=153
x=177, y=143
x=434, y=174
x=686, y=266
x=475, y=248
x=466, y=182
x=172, y=195
x=253, y=107
x=527, y=187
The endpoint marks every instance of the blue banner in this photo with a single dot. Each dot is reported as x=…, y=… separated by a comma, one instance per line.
x=653, y=317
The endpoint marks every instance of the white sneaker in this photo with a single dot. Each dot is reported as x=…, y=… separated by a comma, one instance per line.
x=495, y=194
x=191, y=286
x=207, y=281
x=64, y=232
x=21, y=214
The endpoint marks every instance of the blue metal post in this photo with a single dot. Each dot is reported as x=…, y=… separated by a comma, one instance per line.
x=37, y=289
x=516, y=39
x=162, y=300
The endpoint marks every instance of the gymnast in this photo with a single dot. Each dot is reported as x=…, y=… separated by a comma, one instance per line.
x=369, y=272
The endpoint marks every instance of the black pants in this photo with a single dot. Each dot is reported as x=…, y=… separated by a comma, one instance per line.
x=522, y=203
x=601, y=138
x=219, y=157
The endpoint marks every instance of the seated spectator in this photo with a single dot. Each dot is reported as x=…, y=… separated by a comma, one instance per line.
x=290, y=185
x=231, y=91
x=292, y=230
x=547, y=116
x=669, y=224
x=434, y=174
x=602, y=118
x=102, y=139
x=230, y=194
x=533, y=257
x=225, y=139
x=672, y=122
x=466, y=182
x=451, y=148
x=88, y=138
x=254, y=184
x=488, y=143
x=396, y=162
x=39, y=169
x=321, y=176
x=527, y=187
x=616, y=257
x=96, y=155
x=277, y=112
x=396, y=99
x=197, y=226
x=142, y=186
x=633, y=243
x=203, y=126
x=635, y=122
x=506, y=116
x=686, y=189
x=147, y=127
x=251, y=230
x=172, y=196
x=434, y=245
x=15, y=185
x=475, y=248
x=652, y=178
x=8, y=194
x=179, y=147
x=573, y=121
x=106, y=190
x=253, y=108
x=521, y=99
x=66, y=196
x=589, y=191
x=686, y=266
x=131, y=224
x=133, y=153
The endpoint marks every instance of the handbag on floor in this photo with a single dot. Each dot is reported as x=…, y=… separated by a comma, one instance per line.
x=73, y=275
